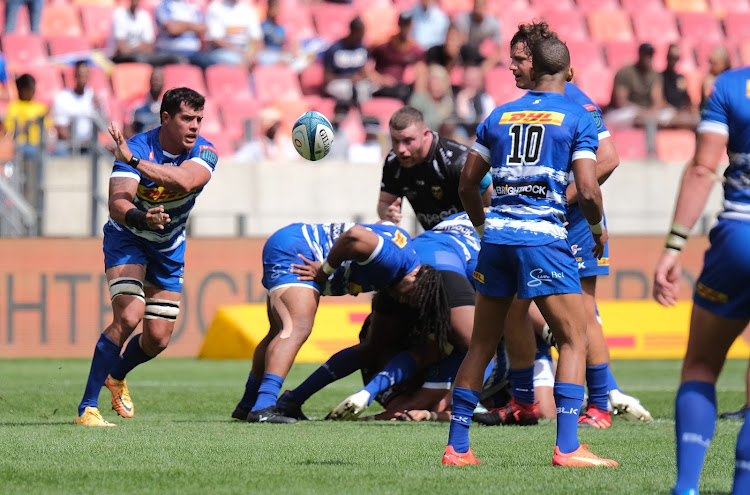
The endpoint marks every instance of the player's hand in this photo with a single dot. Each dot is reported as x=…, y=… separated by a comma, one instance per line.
x=120, y=148
x=600, y=242
x=310, y=271
x=667, y=278
x=393, y=212
x=156, y=219
x=412, y=415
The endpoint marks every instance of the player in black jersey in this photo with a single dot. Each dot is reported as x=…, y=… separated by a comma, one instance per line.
x=425, y=168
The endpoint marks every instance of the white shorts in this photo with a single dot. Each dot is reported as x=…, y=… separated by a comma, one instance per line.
x=544, y=376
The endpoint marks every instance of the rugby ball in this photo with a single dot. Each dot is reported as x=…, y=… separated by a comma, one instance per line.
x=312, y=136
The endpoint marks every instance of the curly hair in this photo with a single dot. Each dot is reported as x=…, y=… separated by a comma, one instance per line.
x=433, y=310
x=531, y=34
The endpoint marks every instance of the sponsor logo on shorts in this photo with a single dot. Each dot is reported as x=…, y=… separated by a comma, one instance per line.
x=276, y=271
x=533, y=189
x=581, y=264
x=478, y=277
x=554, y=118
x=538, y=277
x=602, y=262
x=575, y=250
x=711, y=294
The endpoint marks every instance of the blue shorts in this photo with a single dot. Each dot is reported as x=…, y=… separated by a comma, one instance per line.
x=723, y=287
x=279, y=252
x=444, y=254
x=529, y=271
x=164, y=270
x=582, y=242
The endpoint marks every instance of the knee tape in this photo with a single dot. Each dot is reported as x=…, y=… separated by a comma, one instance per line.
x=126, y=286
x=161, y=308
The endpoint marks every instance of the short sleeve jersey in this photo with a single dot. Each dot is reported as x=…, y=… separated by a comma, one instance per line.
x=728, y=113
x=431, y=186
x=150, y=195
x=530, y=144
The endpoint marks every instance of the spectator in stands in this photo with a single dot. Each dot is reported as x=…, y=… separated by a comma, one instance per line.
x=718, y=62
x=479, y=26
x=633, y=86
x=23, y=115
x=393, y=57
x=435, y=101
x=371, y=150
x=347, y=76
x=11, y=13
x=674, y=84
x=233, y=35
x=430, y=24
x=180, y=26
x=145, y=115
x=132, y=37
x=473, y=103
x=274, y=35
x=454, y=52
x=74, y=113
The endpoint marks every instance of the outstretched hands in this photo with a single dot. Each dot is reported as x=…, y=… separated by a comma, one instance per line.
x=120, y=149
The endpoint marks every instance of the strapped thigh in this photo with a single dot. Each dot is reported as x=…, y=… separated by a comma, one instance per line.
x=161, y=308
x=126, y=286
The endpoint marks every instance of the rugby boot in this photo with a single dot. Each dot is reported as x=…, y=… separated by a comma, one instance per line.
x=240, y=414
x=269, y=415
x=595, y=418
x=453, y=458
x=513, y=413
x=92, y=417
x=290, y=407
x=121, y=401
x=581, y=457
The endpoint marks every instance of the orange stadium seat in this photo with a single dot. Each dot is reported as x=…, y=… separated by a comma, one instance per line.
x=510, y=19
x=687, y=5
x=501, y=85
x=610, y=25
x=569, y=25
x=60, y=19
x=311, y=79
x=721, y=8
x=640, y=5
x=60, y=45
x=653, y=25
x=382, y=108
x=630, y=143
x=381, y=22
x=22, y=50
x=543, y=5
x=596, y=83
x=48, y=81
x=228, y=82
x=737, y=26
x=700, y=27
x=190, y=76
x=130, y=81
x=675, y=145
x=97, y=23
x=332, y=20
x=621, y=53
x=694, y=80
x=276, y=83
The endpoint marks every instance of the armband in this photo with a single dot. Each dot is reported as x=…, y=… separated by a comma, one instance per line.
x=485, y=183
x=677, y=238
x=597, y=228
x=134, y=161
x=480, y=229
x=326, y=267
x=136, y=218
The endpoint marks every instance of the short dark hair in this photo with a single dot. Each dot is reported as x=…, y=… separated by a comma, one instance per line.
x=174, y=98
x=356, y=24
x=81, y=63
x=532, y=33
x=404, y=117
x=550, y=56
x=25, y=81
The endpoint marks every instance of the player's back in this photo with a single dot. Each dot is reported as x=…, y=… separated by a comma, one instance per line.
x=453, y=245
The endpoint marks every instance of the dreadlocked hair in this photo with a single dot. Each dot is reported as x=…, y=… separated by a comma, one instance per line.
x=431, y=302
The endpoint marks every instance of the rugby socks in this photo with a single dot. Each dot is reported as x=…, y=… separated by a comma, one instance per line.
x=695, y=421
x=268, y=391
x=462, y=408
x=399, y=369
x=597, y=382
x=106, y=355
x=742, y=459
x=611, y=382
x=132, y=357
x=568, y=399
x=251, y=393
x=340, y=365
x=522, y=384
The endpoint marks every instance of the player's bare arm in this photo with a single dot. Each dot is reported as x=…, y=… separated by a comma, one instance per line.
x=188, y=177
x=121, y=193
x=468, y=188
x=389, y=207
x=607, y=160
x=590, y=201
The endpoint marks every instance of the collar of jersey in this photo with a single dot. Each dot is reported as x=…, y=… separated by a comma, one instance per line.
x=545, y=94
x=433, y=147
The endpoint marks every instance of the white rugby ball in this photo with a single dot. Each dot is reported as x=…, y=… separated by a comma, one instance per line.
x=312, y=136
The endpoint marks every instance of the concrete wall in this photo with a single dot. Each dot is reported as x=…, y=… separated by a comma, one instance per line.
x=258, y=198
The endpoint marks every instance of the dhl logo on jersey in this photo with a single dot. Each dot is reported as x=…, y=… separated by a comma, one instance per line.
x=529, y=117
x=153, y=194
x=400, y=239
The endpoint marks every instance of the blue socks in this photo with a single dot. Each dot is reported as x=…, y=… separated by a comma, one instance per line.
x=251, y=392
x=132, y=357
x=695, y=421
x=400, y=368
x=742, y=459
x=268, y=391
x=340, y=365
x=522, y=384
x=611, y=382
x=597, y=381
x=462, y=409
x=106, y=355
x=568, y=399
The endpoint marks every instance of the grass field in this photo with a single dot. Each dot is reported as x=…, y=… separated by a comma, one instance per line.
x=181, y=440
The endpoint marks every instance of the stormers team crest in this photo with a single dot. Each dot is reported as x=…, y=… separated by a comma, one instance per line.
x=437, y=192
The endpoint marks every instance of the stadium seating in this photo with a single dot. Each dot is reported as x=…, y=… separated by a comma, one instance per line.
x=176, y=76
x=703, y=51
x=300, y=17
x=311, y=79
x=60, y=19
x=630, y=143
x=700, y=27
x=687, y=5
x=236, y=113
x=687, y=59
x=332, y=20
x=569, y=25
x=64, y=44
x=381, y=22
x=653, y=25
x=586, y=5
x=501, y=85
x=454, y=7
x=632, y=6
x=22, y=21
x=228, y=82
x=98, y=80
x=675, y=145
x=23, y=50
x=621, y=53
x=382, y=109
x=610, y=25
x=553, y=4
x=130, y=81
x=597, y=84
x=276, y=83
x=721, y=8
x=737, y=26
x=97, y=23
x=586, y=55
x=510, y=19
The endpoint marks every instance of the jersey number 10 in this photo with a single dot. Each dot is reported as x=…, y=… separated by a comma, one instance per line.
x=525, y=149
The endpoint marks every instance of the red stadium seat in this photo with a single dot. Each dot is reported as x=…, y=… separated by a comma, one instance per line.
x=326, y=106
x=633, y=6
x=630, y=143
x=501, y=85
x=687, y=5
x=212, y=123
x=569, y=25
x=737, y=26
x=60, y=19
x=621, y=53
x=222, y=143
x=97, y=23
x=237, y=114
x=276, y=83
x=510, y=19
x=130, y=81
x=497, y=7
x=332, y=20
x=745, y=52
x=311, y=79
x=721, y=8
x=553, y=4
x=48, y=81
x=300, y=17
x=586, y=5
x=610, y=25
x=653, y=25
x=455, y=7
x=22, y=50
x=585, y=54
x=700, y=27
x=61, y=45
x=675, y=145
x=382, y=109
x=596, y=83
x=381, y=22
x=190, y=76
x=228, y=82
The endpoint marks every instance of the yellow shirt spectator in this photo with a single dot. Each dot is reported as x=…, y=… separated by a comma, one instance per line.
x=25, y=114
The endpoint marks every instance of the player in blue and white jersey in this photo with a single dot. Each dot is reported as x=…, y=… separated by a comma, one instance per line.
x=721, y=301
x=531, y=145
x=153, y=186
x=301, y=262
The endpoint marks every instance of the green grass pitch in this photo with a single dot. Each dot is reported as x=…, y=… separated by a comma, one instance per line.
x=181, y=440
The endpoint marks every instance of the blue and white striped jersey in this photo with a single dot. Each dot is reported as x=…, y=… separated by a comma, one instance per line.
x=530, y=144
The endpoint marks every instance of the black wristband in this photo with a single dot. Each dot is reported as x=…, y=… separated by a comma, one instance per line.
x=134, y=161
x=136, y=218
